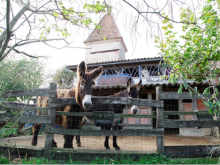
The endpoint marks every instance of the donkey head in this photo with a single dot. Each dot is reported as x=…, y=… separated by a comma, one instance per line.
x=85, y=84
x=133, y=93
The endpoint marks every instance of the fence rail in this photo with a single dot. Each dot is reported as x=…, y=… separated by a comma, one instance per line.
x=54, y=102
x=30, y=92
x=127, y=132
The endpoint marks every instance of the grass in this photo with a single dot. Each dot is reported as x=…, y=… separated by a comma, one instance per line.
x=123, y=159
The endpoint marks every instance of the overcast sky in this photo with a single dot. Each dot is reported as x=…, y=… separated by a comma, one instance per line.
x=139, y=44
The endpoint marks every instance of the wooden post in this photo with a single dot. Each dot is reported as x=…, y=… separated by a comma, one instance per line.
x=125, y=111
x=194, y=107
x=149, y=110
x=180, y=108
x=160, y=139
x=52, y=113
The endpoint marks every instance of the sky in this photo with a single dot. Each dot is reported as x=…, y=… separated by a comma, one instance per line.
x=139, y=44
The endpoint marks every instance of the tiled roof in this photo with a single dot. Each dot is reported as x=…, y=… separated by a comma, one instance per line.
x=120, y=61
x=109, y=30
x=155, y=84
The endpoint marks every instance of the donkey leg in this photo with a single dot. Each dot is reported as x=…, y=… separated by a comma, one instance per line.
x=106, y=138
x=35, y=132
x=78, y=142
x=68, y=141
x=114, y=127
x=115, y=145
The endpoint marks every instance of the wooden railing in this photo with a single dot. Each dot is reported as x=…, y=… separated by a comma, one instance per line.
x=50, y=111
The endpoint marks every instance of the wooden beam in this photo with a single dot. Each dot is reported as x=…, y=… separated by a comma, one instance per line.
x=25, y=118
x=189, y=151
x=127, y=132
x=24, y=108
x=110, y=100
x=30, y=92
x=52, y=113
x=184, y=95
x=114, y=115
x=23, y=150
x=180, y=108
x=165, y=123
x=160, y=139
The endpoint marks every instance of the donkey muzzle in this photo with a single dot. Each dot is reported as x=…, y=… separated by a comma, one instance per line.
x=87, y=102
x=135, y=109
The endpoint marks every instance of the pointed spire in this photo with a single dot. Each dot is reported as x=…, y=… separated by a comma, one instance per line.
x=109, y=30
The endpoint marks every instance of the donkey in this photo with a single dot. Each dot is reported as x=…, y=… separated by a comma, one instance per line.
x=131, y=92
x=82, y=92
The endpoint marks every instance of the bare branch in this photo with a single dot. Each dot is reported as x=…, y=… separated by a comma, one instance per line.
x=30, y=15
x=13, y=22
x=8, y=29
x=24, y=53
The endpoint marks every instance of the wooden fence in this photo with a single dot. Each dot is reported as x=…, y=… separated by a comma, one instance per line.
x=50, y=111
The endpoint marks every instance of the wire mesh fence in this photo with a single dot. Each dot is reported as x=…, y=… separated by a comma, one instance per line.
x=86, y=132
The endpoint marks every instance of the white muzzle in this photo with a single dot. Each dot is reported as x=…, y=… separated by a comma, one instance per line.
x=87, y=102
x=135, y=109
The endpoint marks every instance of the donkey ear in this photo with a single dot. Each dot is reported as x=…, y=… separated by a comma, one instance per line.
x=138, y=86
x=81, y=69
x=129, y=84
x=96, y=72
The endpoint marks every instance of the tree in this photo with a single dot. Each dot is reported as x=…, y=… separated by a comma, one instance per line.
x=64, y=77
x=150, y=14
x=194, y=54
x=21, y=74
x=43, y=18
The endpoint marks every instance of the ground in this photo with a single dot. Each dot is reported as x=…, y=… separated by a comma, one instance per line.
x=126, y=143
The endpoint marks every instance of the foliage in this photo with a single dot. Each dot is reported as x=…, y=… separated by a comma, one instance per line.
x=21, y=74
x=42, y=20
x=194, y=52
x=64, y=77
x=123, y=159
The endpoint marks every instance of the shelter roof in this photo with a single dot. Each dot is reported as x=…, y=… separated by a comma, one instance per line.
x=119, y=63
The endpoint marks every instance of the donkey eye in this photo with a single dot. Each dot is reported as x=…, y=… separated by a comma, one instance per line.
x=81, y=85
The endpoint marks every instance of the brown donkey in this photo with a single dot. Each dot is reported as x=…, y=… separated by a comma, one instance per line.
x=82, y=92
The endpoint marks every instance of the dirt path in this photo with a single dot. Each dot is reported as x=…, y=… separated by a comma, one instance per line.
x=126, y=143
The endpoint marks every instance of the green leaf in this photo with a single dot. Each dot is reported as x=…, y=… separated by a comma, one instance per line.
x=180, y=89
x=191, y=93
x=216, y=91
x=55, y=14
x=104, y=38
x=206, y=91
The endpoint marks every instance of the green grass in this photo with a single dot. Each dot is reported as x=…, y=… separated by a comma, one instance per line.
x=123, y=159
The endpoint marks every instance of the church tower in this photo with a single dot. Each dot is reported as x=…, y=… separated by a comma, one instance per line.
x=106, y=44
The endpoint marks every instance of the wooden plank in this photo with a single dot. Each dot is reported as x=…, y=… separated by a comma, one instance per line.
x=164, y=123
x=89, y=155
x=52, y=113
x=33, y=109
x=90, y=114
x=30, y=92
x=160, y=139
x=189, y=151
x=25, y=118
x=183, y=95
x=110, y=100
x=180, y=108
x=178, y=113
x=160, y=144
x=149, y=109
x=23, y=150
x=128, y=132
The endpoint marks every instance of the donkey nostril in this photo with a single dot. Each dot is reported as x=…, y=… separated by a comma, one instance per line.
x=135, y=111
x=87, y=106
